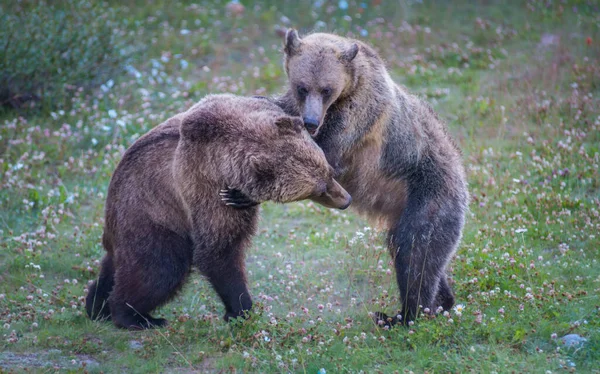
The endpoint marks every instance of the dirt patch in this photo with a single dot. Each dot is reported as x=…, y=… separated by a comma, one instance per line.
x=208, y=365
x=44, y=359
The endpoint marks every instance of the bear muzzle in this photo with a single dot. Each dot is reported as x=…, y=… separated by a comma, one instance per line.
x=334, y=197
x=312, y=113
x=311, y=124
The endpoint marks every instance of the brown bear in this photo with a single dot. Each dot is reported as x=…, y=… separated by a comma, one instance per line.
x=163, y=214
x=390, y=151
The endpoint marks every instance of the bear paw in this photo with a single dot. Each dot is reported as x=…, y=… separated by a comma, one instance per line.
x=230, y=317
x=140, y=322
x=384, y=321
x=236, y=199
x=152, y=323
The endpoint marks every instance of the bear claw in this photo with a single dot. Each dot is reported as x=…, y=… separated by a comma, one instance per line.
x=236, y=198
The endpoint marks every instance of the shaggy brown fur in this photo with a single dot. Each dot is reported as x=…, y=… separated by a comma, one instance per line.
x=390, y=151
x=163, y=215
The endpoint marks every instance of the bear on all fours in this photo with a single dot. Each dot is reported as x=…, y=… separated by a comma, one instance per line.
x=390, y=151
x=164, y=215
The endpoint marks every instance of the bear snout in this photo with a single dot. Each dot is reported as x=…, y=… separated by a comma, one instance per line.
x=311, y=124
x=347, y=205
x=334, y=197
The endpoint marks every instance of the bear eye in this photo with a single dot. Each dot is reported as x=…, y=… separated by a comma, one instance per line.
x=321, y=188
x=326, y=92
x=302, y=91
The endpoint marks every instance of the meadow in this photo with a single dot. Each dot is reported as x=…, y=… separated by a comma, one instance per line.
x=517, y=82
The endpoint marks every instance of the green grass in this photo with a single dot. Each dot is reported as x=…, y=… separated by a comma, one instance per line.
x=519, y=87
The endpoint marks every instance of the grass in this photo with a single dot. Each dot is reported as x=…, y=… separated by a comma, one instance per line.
x=519, y=87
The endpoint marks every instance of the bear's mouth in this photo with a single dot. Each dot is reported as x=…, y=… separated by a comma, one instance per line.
x=311, y=124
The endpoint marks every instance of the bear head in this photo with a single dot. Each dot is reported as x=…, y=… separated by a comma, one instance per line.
x=320, y=69
x=258, y=149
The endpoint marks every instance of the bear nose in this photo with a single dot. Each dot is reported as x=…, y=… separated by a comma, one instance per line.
x=347, y=205
x=311, y=124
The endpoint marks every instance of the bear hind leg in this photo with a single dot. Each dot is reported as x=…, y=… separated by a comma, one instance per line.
x=445, y=296
x=149, y=279
x=421, y=244
x=420, y=250
x=418, y=280
x=96, y=302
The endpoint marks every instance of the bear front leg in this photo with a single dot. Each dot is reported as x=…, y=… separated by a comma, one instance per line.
x=228, y=278
x=236, y=199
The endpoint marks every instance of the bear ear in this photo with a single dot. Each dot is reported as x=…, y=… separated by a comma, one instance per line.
x=292, y=42
x=293, y=125
x=349, y=54
x=200, y=126
x=262, y=169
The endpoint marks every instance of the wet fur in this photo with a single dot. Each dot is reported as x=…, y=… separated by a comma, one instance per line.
x=164, y=216
x=393, y=154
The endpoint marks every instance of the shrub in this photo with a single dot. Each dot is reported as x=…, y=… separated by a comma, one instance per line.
x=49, y=47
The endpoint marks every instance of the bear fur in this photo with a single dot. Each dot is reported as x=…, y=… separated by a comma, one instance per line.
x=390, y=151
x=163, y=214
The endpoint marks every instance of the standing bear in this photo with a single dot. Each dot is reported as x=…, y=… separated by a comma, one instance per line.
x=163, y=213
x=390, y=151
